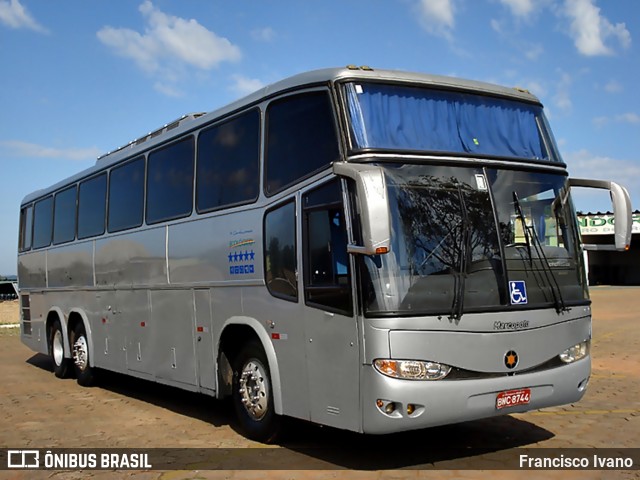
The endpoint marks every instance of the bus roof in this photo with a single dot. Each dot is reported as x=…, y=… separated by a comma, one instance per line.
x=325, y=76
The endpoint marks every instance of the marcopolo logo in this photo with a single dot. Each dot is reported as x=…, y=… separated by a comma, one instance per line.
x=522, y=324
x=510, y=359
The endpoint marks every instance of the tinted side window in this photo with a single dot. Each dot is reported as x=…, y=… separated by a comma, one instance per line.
x=26, y=227
x=92, y=203
x=170, y=181
x=43, y=223
x=301, y=139
x=327, y=278
x=64, y=223
x=126, y=195
x=229, y=163
x=280, y=251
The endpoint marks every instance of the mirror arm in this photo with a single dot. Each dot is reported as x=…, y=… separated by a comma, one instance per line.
x=621, y=210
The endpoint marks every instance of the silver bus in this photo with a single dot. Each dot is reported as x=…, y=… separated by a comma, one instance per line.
x=372, y=250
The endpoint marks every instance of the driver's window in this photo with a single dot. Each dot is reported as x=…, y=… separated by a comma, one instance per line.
x=539, y=215
x=327, y=272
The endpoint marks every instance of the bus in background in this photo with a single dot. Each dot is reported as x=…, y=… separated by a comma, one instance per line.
x=373, y=250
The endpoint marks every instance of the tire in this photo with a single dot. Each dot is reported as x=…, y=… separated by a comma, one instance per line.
x=85, y=374
x=61, y=365
x=253, y=395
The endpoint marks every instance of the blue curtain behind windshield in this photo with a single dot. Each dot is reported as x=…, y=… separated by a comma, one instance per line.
x=406, y=118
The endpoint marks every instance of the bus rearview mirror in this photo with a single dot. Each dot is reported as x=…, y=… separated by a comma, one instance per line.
x=621, y=210
x=373, y=206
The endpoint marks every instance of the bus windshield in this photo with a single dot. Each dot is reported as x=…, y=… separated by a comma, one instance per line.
x=472, y=239
x=401, y=117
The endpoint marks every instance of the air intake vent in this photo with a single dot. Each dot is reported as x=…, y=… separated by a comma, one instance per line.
x=333, y=410
x=25, y=302
x=173, y=125
x=156, y=133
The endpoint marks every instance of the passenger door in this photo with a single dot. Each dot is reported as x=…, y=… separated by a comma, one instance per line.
x=330, y=326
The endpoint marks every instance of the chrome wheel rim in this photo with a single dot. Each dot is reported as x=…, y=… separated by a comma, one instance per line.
x=57, y=348
x=80, y=353
x=253, y=389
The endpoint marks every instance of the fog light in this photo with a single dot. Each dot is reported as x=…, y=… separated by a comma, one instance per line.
x=390, y=408
x=582, y=386
x=411, y=408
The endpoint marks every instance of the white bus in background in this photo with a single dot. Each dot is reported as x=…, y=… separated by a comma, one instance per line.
x=373, y=250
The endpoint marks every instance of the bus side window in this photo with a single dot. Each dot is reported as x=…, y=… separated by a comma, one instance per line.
x=26, y=227
x=170, y=181
x=301, y=139
x=327, y=277
x=126, y=195
x=281, y=270
x=64, y=215
x=92, y=206
x=228, y=170
x=43, y=223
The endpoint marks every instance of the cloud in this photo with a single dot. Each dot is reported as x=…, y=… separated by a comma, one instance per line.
x=522, y=11
x=632, y=118
x=590, y=30
x=533, y=51
x=613, y=86
x=520, y=8
x=244, y=85
x=497, y=26
x=169, y=42
x=629, y=117
x=535, y=87
x=168, y=90
x=266, y=34
x=437, y=17
x=15, y=15
x=17, y=148
x=562, y=98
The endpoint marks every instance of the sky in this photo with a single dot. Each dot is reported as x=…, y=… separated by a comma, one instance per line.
x=79, y=79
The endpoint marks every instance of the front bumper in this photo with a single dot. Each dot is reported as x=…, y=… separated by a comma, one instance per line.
x=451, y=401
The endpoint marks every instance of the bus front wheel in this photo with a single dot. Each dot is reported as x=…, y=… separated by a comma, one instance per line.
x=56, y=351
x=253, y=395
x=80, y=350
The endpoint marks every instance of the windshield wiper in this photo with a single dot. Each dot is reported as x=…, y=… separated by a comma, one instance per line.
x=531, y=237
x=459, y=278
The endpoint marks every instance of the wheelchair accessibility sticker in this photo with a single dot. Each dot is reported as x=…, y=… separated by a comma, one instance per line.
x=518, y=292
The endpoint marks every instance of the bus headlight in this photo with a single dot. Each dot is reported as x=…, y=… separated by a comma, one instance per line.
x=576, y=352
x=412, y=369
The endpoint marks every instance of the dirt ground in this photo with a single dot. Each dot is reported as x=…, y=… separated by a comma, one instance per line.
x=9, y=312
x=41, y=411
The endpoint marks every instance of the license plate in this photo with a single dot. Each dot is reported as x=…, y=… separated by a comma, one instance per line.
x=512, y=398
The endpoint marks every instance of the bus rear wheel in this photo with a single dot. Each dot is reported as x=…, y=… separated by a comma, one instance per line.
x=61, y=365
x=80, y=348
x=253, y=395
